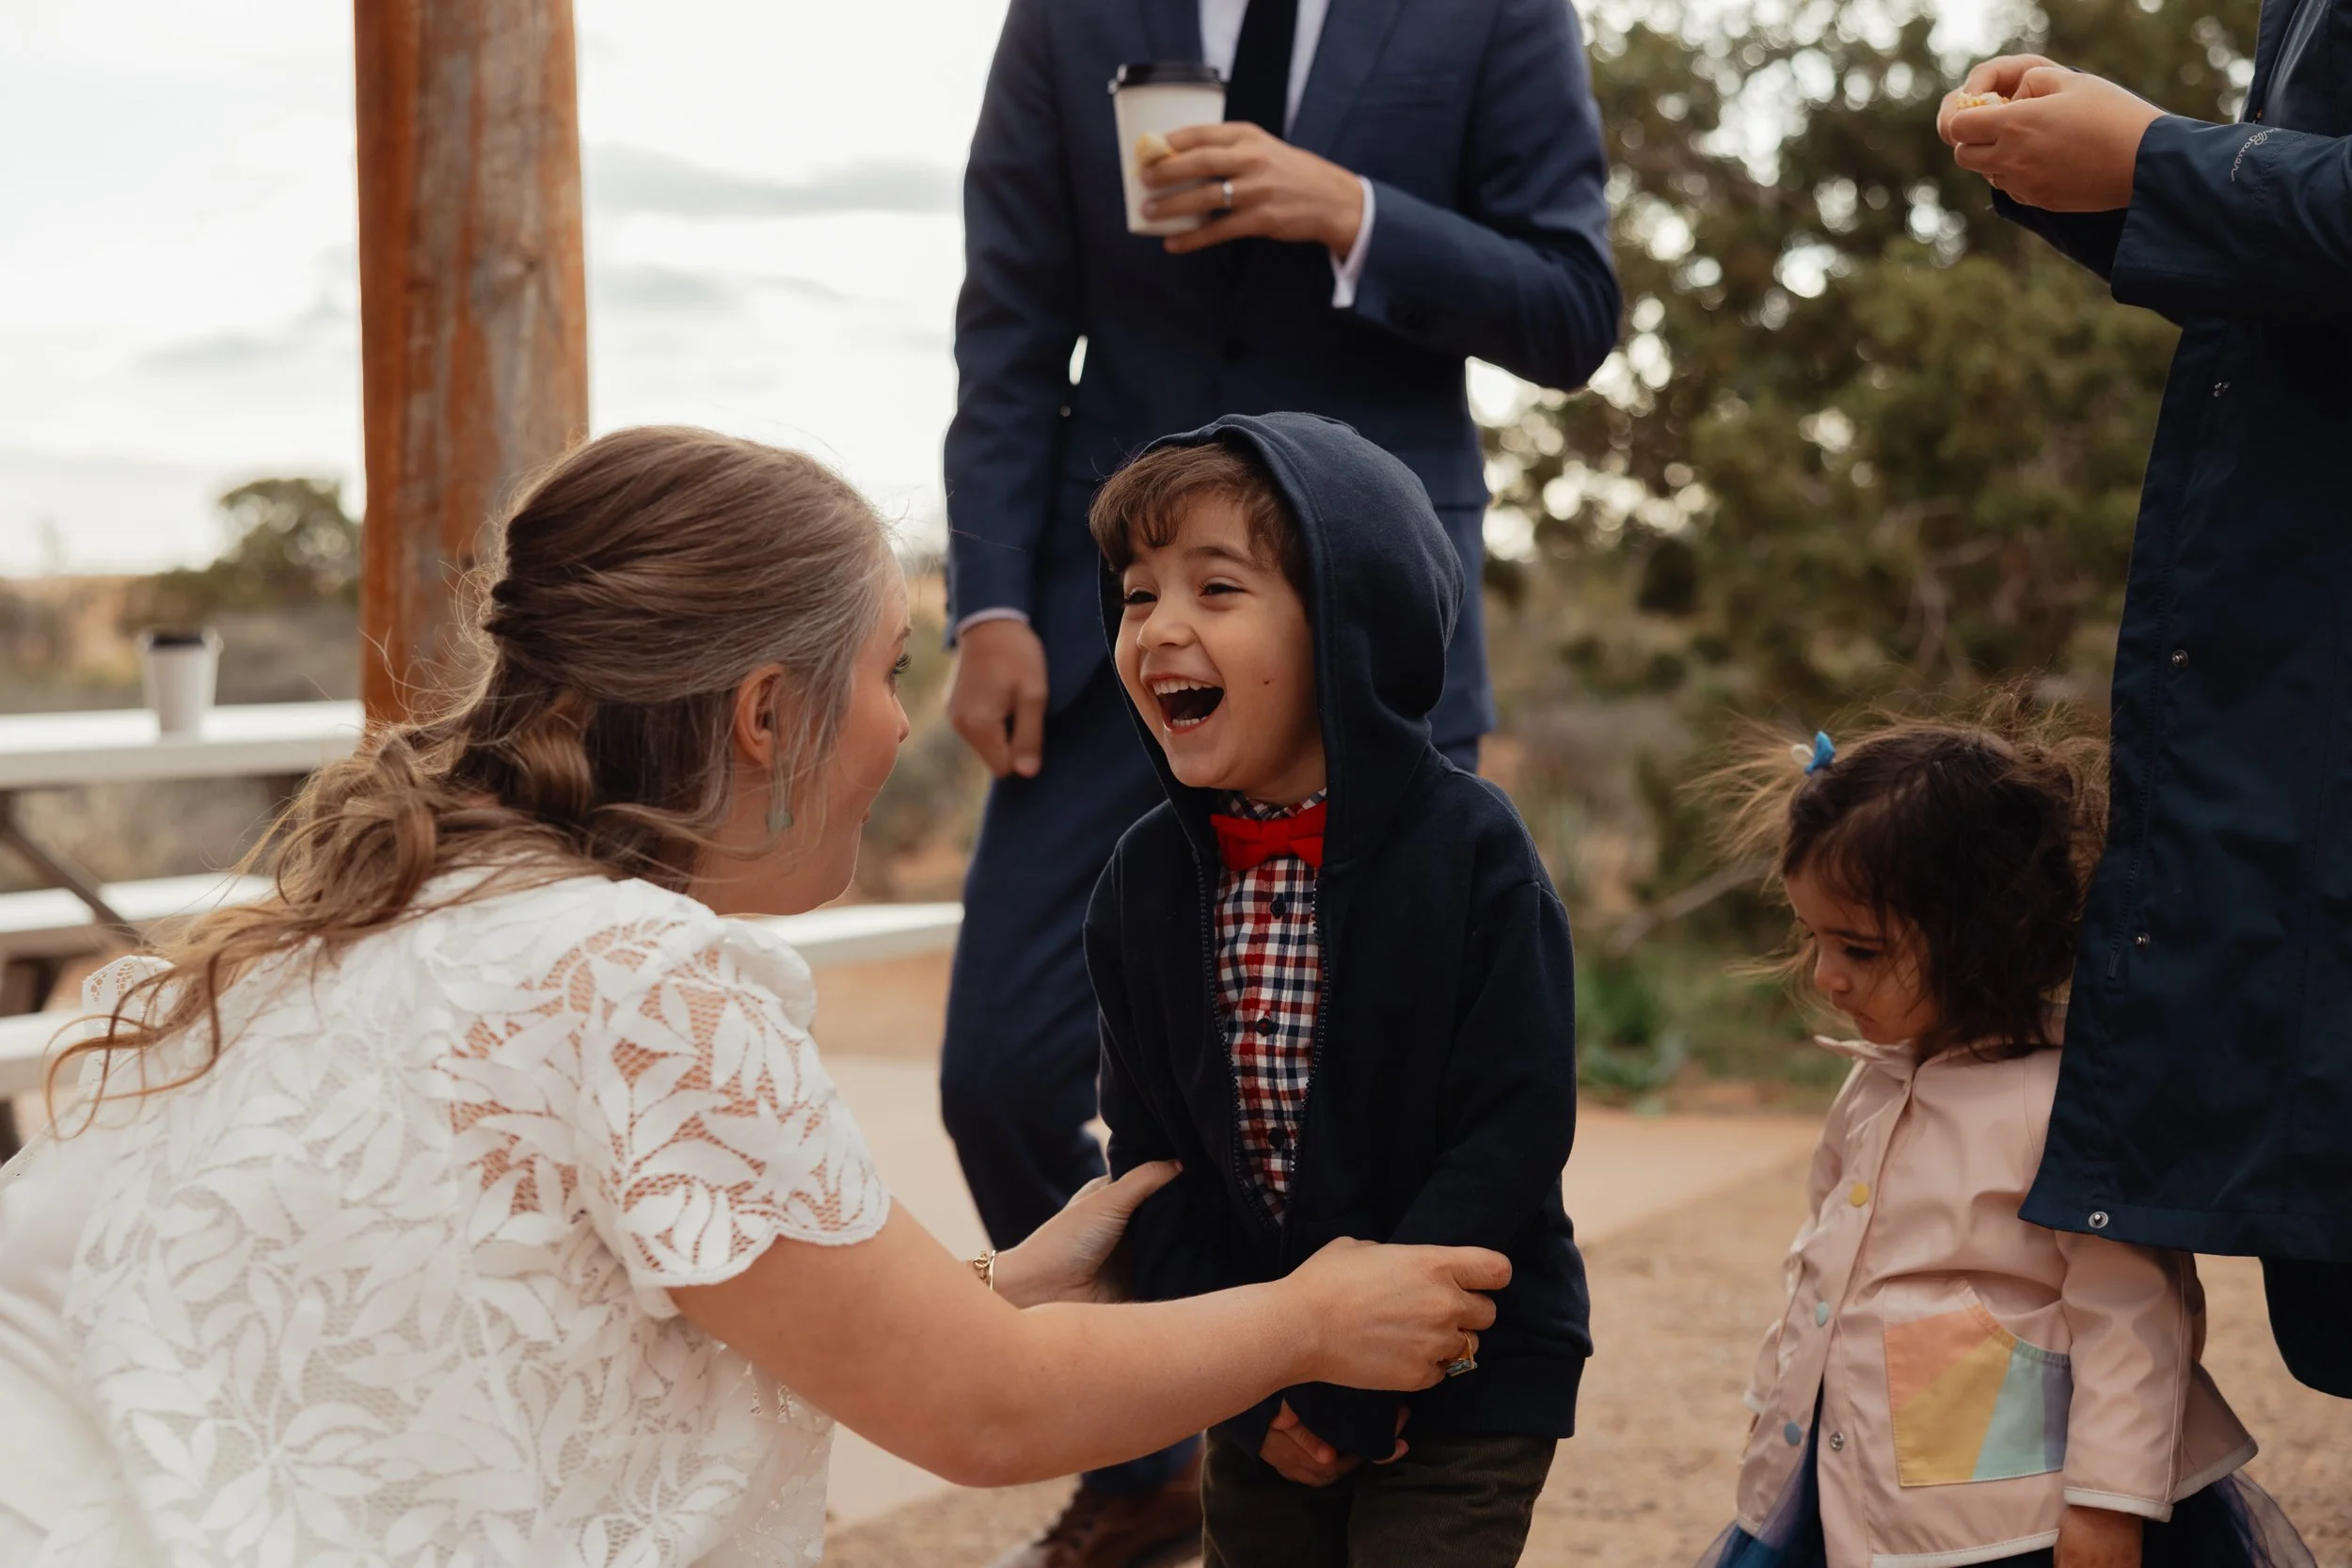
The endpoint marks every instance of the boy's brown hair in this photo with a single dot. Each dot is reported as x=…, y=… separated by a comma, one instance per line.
x=1143, y=504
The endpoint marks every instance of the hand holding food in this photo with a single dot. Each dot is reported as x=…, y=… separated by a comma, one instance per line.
x=2064, y=141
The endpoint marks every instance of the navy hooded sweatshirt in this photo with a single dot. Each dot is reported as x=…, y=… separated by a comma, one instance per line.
x=1442, y=1101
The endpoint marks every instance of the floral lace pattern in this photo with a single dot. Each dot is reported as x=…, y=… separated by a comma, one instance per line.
x=389, y=1283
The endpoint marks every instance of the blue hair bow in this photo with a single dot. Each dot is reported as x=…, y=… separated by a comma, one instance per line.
x=1824, y=752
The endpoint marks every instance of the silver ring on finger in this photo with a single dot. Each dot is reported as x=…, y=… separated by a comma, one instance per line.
x=1225, y=190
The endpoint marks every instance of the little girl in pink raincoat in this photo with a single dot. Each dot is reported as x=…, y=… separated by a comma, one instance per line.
x=1950, y=1385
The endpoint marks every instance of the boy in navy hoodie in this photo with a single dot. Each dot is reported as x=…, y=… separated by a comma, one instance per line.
x=1335, y=983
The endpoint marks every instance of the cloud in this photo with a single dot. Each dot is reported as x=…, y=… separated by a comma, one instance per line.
x=656, y=288
x=639, y=179
x=325, y=326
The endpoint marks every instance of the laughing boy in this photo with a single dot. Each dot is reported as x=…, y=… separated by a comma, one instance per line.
x=1335, y=983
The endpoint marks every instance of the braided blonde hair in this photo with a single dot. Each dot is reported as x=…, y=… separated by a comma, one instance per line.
x=630, y=593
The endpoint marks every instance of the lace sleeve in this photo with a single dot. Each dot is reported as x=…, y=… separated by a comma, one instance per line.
x=707, y=1126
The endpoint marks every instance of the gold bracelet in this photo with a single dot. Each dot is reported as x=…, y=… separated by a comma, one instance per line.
x=985, y=1266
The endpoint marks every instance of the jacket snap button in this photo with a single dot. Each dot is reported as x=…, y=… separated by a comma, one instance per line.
x=2180, y=659
x=1821, y=1314
x=2219, y=387
x=1792, y=1433
x=1859, y=1195
x=2098, y=1219
x=2140, y=942
x=1838, y=1442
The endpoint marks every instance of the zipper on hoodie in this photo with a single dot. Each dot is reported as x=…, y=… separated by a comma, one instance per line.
x=1315, y=1049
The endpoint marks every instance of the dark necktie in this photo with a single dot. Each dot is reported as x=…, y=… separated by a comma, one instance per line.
x=1261, y=86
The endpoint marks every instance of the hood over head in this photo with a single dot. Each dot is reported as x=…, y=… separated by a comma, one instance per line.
x=1384, y=591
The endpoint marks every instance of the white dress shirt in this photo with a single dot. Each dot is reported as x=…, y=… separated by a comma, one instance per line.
x=1221, y=38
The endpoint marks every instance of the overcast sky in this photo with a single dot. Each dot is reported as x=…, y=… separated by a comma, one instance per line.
x=772, y=247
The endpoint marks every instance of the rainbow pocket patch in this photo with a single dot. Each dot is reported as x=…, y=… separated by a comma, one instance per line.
x=1972, y=1402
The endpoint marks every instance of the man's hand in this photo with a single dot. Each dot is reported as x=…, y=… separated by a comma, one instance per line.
x=2065, y=142
x=1281, y=192
x=2000, y=74
x=1297, y=1454
x=997, y=697
x=2098, y=1538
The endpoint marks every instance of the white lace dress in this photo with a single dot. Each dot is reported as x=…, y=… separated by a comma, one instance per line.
x=389, y=1284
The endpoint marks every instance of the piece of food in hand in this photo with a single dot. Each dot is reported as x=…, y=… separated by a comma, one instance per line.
x=1977, y=100
x=1151, y=148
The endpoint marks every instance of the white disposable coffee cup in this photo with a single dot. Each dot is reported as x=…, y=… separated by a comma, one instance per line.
x=178, y=669
x=1154, y=98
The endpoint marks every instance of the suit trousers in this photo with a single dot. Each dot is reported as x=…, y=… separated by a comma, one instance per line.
x=1451, y=1502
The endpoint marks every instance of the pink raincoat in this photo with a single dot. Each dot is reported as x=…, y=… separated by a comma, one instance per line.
x=1974, y=1374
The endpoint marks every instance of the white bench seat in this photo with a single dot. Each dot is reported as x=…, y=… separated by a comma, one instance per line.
x=850, y=933
x=53, y=923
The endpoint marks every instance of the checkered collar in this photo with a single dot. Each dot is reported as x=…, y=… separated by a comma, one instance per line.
x=1235, y=803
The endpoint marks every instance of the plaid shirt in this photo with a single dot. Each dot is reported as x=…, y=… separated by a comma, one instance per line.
x=1269, y=973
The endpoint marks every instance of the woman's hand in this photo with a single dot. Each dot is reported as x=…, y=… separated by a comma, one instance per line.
x=1392, y=1317
x=2065, y=142
x=1281, y=192
x=1063, y=1259
x=2098, y=1538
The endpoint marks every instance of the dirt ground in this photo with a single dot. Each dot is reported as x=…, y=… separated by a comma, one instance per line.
x=1676, y=1310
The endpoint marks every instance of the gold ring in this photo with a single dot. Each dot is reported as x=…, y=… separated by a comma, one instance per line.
x=1468, y=1360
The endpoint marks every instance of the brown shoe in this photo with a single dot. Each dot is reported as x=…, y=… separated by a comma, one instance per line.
x=1101, y=1531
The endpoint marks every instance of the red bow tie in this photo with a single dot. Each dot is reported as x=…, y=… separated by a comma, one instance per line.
x=1245, y=841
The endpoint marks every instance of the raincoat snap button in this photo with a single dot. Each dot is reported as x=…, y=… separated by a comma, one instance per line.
x=2098, y=1219
x=1859, y=1194
x=1838, y=1442
x=1821, y=1314
x=1793, y=1432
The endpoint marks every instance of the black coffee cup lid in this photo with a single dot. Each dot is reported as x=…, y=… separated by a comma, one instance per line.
x=1167, y=73
x=175, y=636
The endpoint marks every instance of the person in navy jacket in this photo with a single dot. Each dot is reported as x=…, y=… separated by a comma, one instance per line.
x=2207, y=1088
x=1414, y=183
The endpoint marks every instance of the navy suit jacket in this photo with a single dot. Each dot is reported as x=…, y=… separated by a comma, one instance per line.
x=1474, y=121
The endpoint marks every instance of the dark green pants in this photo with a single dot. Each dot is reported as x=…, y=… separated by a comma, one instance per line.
x=1451, y=1502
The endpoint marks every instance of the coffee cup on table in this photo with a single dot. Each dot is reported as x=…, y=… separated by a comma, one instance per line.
x=1149, y=99
x=178, y=666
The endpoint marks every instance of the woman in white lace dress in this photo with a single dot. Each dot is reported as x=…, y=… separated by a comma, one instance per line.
x=480, y=1198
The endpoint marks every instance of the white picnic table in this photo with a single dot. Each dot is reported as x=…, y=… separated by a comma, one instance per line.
x=63, y=751
x=55, y=750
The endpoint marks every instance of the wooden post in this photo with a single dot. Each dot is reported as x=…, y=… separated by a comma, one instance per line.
x=472, y=302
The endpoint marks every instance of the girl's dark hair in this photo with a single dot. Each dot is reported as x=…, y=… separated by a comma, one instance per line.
x=1975, y=841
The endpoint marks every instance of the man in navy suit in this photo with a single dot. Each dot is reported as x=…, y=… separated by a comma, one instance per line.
x=1398, y=185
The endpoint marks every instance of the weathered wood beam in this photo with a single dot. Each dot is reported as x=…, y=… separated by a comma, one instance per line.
x=473, y=303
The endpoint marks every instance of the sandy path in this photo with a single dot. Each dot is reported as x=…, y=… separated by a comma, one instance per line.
x=1678, y=1304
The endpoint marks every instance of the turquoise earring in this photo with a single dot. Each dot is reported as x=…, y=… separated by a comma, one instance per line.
x=779, y=813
